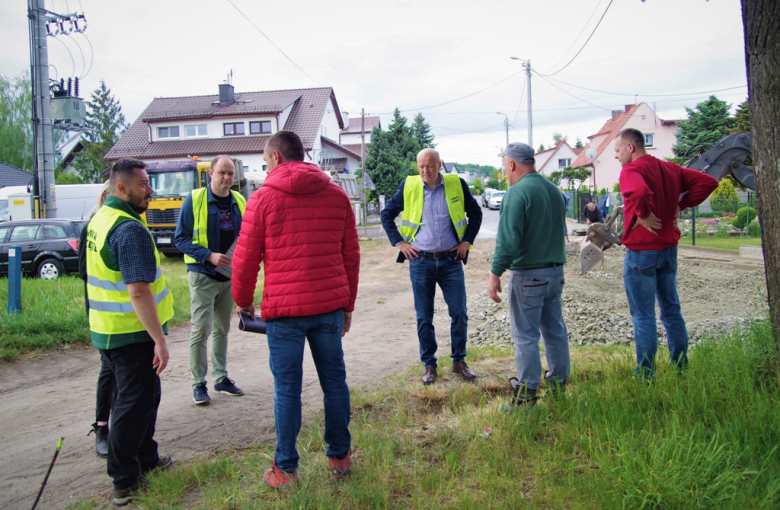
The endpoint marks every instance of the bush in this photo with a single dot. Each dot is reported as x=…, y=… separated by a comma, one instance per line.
x=616, y=187
x=754, y=229
x=724, y=198
x=741, y=220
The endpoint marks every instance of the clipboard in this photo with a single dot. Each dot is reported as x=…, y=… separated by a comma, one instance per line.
x=227, y=272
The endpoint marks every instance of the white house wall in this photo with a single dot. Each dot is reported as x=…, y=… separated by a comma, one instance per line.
x=551, y=165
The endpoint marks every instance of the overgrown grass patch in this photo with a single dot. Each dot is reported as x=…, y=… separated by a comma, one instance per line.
x=722, y=242
x=54, y=314
x=704, y=438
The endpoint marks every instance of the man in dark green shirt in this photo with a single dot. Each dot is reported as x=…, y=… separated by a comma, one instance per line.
x=530, y=245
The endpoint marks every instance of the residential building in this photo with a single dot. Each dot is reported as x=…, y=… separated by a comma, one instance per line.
x=239, y=125
x=556, y=158
x=659, y=139
x=350, y=136
x=13, y=176
x=451, y=168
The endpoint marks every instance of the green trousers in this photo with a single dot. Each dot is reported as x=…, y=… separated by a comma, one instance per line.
x=212, y=309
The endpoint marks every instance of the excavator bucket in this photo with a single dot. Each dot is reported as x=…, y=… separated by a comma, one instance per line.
x=590, y=255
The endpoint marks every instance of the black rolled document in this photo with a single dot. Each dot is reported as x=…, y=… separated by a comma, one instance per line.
x=245, y=323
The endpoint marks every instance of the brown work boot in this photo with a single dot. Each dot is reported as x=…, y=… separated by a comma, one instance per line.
x=430, y=375
x=463, y=370
x=278, y=479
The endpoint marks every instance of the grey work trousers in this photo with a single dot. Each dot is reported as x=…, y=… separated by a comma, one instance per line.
x=212, y=309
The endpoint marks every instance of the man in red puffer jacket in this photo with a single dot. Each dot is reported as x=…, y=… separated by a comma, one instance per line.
x=302, y=227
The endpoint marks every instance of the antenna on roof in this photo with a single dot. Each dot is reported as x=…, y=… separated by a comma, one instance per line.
x=230, y=80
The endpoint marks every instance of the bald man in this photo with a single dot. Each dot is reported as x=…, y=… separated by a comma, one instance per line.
x=439, y=223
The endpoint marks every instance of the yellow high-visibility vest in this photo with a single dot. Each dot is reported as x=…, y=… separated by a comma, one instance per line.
x=200, y=218
x=413, y=206
x=110, y=309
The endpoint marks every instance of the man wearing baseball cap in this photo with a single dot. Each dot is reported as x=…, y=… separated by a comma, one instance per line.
x=529, y=244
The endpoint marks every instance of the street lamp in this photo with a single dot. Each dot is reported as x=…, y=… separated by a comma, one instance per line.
x=506, y=125
x=527, y=66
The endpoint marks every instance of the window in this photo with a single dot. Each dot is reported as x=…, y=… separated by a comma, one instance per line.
x=54, y=232
x=648, y=140
x=24, y=233
x=3, y=232
x=233, y=129
x=564, y=162
x=256, y=128
x=198, y=130
x=168, y=132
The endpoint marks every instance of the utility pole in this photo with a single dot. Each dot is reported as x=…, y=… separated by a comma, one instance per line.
x=42, y=119
x=363, y=166
x=527, y=66
x=506, y=127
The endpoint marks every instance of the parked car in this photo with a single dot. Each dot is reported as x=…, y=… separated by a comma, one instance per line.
x=486, y=196
x=495, y=199
x=50, y=248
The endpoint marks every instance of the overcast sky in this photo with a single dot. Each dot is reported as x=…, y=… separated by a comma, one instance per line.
x=410, y=55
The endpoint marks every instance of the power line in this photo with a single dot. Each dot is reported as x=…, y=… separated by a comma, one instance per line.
x=460, y=98
x=569, y=93
x=69, y=53
x=520, y=103
x=91, y=53
x=83, y=60
x=270, y=41
x=578, y=36
x=586, y=41
x=644, y=95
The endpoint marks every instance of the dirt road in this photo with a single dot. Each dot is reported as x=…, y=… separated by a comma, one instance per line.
x=52, y=395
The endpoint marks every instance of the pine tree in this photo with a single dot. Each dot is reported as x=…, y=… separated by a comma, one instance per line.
x=579, y=144
x=107, y=123
x=707, y=124
x=742, y=116
x=541, y=148
x=386, y=168
x=421, y=131
x=724, y=199
x=400, y=137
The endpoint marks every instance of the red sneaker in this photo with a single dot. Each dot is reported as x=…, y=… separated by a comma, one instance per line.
x=339, y=468
x=278, y=479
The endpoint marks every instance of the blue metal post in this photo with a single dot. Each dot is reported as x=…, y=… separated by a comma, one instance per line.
x=14, y=279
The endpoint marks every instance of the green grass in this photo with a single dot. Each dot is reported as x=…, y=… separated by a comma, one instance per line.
x=723, y=242
x=53, y=313
x=706, y=438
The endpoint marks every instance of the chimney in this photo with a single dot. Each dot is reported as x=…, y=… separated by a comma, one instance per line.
x=629, y=106
x=226, y=95
x=616, y=114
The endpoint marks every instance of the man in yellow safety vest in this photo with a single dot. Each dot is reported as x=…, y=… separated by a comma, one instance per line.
x=129, y=306
x=439, y=223
x=209, y=223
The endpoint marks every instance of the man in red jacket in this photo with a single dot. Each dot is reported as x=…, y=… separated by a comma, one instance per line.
x=302, y=227
x=654, y=193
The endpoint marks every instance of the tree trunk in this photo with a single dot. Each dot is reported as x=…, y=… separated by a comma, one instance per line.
x=761, y=22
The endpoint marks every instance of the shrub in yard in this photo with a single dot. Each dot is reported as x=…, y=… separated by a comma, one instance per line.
x=741, y=219
x=754, y=229
x=724, y=198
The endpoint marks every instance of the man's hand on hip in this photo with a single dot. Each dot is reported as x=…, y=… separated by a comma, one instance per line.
x=219, y=259
x=347, y=323
x=250, y=309
x=651, y=223
x=461, y=250
x=408, y=250
x=494, y=287
x=160, y=360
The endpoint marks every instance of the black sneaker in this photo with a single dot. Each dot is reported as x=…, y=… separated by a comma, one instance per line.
x=227, y=387
x=122, y=497
x=524, y=397
x=556, y=388
x=200, y=394
x=101, y=439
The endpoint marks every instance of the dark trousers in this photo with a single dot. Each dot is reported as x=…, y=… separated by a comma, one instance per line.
x=106, y=391
x=131, y=447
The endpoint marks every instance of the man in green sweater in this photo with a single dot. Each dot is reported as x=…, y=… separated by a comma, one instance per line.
x=530, y=245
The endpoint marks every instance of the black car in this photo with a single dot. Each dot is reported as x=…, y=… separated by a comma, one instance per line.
x=49, y=247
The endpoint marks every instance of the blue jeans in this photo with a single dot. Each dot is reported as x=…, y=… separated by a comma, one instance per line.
x=425, y=273
x=536, y=306
x=286, y=338
x=648, y=275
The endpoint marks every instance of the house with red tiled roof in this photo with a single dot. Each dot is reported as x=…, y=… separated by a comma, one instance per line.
x=239, y=125
x=556, y=158
x=659, y=139
x=350, y=136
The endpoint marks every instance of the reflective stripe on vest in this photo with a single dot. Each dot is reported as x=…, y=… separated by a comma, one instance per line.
x=200, y=218
x=111, y=311
x=411, y=217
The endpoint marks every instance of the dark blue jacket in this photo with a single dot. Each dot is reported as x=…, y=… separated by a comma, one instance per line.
x=395, y=206
x=183, y=237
